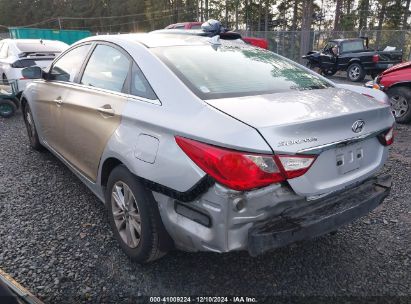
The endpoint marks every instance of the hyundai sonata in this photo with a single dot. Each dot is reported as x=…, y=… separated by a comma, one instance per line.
x=208, y=145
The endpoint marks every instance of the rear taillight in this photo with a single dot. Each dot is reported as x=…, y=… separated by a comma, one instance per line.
x=242, y=170
x=375, y=58
x=387, y=137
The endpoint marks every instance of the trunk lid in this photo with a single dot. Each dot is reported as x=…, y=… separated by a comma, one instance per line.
x=302, y=122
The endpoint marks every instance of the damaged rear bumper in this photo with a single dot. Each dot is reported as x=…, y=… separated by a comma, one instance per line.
x=308, y=219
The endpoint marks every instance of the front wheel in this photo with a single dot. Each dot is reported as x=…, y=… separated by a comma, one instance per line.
x=134, y=217
x=355, y=72
x=400, y=99
x=31, y=129
x=328, y=72
x=7, y=108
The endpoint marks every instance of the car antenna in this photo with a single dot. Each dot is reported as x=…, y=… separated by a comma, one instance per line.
x=215, y=40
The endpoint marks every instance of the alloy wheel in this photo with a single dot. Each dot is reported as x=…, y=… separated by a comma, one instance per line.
x=126, y=214
x=399, y=105
x=30, y=124
x=354, y=72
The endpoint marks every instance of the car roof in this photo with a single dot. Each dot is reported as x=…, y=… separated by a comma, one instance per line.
x=152, y=40
x=31, y=40
x=163, y=38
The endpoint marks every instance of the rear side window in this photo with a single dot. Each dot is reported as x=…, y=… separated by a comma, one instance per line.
x=352, y=46
x=107, y=69
x=139, y=84
x=67, y=67
x=196, y=27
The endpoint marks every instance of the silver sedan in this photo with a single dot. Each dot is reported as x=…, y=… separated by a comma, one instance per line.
x=206, y=144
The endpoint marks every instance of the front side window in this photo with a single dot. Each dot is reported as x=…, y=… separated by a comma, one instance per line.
x=68, y=66
x=107, y=69
x=231, y=71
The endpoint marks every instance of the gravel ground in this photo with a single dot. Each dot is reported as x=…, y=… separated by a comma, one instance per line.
x=55, y=240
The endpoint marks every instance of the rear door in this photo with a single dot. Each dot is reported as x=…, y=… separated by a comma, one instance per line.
x=92, y=109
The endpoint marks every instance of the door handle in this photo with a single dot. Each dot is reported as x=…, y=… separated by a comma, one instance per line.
x=106, y=110
x=58, y=101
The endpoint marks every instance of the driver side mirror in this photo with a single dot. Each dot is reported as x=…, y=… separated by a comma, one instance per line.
x=33, y=72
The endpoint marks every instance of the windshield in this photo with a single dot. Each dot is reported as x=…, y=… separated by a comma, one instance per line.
x=228, y=71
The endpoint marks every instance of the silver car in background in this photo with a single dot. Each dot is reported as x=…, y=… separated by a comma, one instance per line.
x=208, y=145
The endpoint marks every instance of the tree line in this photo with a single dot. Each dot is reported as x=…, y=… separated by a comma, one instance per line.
x=253, y=15
x=101, y=16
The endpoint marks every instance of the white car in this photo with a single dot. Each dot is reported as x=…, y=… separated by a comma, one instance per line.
x=16, y=54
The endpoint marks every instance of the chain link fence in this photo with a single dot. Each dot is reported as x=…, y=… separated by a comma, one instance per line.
x=4, y=35
x=287, y=43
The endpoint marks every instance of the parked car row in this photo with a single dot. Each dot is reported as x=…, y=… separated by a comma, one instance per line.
x=205, y=143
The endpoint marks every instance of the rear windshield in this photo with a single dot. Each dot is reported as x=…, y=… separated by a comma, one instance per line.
x=352, y=46
x=38, y=47
x=227, y=71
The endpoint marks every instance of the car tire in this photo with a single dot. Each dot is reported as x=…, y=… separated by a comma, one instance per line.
x=400, y=99
x=7, y=108
x=4, y=79
x=355, y=72
x=136, y=225
x=31, y=129
x=374, y=74
x=328, y=72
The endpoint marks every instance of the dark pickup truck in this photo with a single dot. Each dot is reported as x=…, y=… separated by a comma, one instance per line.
x=353, y=56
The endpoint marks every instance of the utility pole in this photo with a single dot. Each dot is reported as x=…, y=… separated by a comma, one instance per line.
x=59, y=21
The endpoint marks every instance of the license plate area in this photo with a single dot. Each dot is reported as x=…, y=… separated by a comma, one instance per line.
x=349, y=158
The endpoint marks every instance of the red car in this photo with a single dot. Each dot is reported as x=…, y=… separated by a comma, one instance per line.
x=396, y=82
x=260, y=42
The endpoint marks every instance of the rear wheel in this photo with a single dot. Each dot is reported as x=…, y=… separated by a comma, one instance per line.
x=31, y=129
x=400, y=99
x=355, y=72
x=134, y=217
x=7, y=108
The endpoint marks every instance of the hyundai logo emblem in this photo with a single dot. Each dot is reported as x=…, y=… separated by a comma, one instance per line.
x=358, y=126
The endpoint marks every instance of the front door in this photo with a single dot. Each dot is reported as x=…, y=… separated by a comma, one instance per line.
x=328, y=56
x=51, y=94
